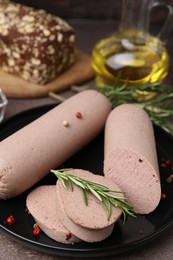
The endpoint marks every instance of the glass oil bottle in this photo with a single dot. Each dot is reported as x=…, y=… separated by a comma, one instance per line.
x=131, y=53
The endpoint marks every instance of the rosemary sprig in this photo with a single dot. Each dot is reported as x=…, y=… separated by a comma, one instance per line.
x=107, y=197
x=155, y=98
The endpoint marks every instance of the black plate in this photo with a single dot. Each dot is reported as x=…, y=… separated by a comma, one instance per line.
x=136, y=232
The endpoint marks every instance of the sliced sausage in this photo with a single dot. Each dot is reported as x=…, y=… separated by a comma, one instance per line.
x=131, y=158
x=41, y=203
x=89, y=223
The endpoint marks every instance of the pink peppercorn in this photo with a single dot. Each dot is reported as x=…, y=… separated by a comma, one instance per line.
x=141, y=232
x=78, y=114
x=164, y=165
x=68, y=236
x=164, y=196
x=10, y=220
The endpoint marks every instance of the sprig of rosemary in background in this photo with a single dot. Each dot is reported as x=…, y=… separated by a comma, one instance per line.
x=155, y=98
x=101, y=192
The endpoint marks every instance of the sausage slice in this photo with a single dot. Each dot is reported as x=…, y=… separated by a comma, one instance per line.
x=41, y=203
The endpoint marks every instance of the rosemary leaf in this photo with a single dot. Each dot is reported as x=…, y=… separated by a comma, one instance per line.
x=63, y=182
x=155, y=98
x=124, y=215
x=109, y=209
x=102, y=193
x=78, y=183
x=98, y=185
x=113, y=196
x=70, y=184
x=84, y=196
x=60, y=176
x=107, y=206
x=95, y=193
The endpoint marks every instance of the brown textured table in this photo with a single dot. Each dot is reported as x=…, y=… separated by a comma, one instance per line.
x=88, y=32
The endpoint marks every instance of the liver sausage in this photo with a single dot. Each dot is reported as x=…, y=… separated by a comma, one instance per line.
x=41, y=203
x=89, y=223
x=30, y=153
x=130, y=157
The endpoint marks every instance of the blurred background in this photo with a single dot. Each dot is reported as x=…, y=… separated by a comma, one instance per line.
x=94, y=20
x=102, y=9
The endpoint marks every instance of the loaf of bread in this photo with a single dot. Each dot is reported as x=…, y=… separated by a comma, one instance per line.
x=34, y=45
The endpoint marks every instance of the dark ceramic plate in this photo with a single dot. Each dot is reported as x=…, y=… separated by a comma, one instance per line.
x=136, y=232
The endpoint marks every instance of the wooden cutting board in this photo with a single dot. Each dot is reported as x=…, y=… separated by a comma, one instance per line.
x=80, y=72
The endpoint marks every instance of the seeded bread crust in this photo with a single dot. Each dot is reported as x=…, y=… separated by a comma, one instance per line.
x=34, y=45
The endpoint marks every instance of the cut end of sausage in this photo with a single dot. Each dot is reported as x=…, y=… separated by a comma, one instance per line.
x=136, y=177
x=41, y=203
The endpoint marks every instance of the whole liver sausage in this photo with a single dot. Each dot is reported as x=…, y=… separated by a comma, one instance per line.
x=29, y=154
x=130, y=157
x=41, y=203
x=90, y=222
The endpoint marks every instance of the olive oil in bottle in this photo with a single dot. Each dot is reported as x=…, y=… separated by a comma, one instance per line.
x=134, y=56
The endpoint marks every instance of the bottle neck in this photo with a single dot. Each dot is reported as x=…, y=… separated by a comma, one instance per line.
x=134, y=16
